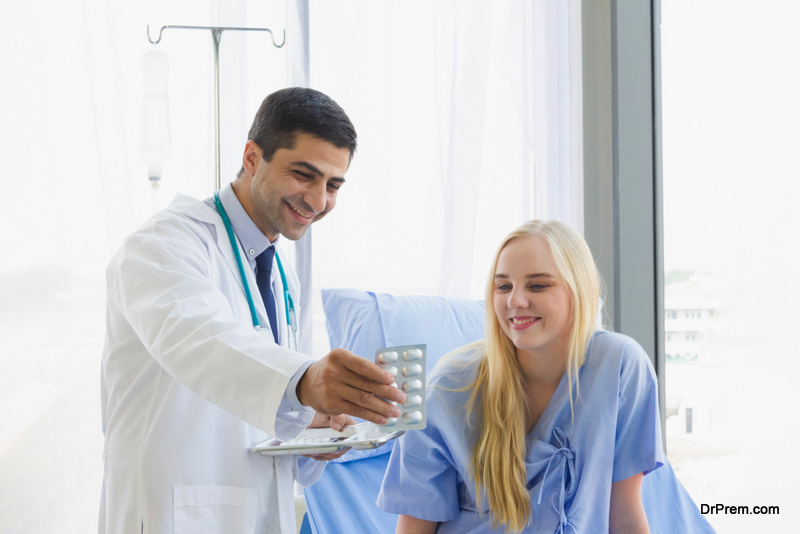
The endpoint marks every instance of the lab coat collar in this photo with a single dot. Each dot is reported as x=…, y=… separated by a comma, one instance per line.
x=200, y=211
x=195, y=209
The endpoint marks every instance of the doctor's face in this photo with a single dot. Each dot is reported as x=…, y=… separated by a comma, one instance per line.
x=298, y=187
x=531, y=301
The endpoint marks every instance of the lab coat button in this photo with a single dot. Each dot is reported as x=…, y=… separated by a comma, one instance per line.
x=272, y=530
x=252, y=251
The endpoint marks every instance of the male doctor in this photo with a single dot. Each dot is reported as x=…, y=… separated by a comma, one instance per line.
x=188, y=384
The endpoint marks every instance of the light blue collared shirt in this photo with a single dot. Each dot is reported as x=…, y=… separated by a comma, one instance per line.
x=254, y=243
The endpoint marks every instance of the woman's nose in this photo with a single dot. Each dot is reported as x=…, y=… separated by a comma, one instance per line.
x=517, y=299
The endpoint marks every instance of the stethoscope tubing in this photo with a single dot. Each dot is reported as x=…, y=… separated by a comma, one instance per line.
x=287, y=297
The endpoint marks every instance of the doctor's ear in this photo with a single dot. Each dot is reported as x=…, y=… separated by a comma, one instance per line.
x=252, y=157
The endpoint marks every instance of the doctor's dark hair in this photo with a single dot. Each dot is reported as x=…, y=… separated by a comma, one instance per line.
x=287, y=112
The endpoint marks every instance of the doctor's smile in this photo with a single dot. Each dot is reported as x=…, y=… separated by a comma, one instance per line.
x=304, y=217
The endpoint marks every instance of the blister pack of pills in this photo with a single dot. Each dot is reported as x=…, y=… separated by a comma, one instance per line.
x=407, y=364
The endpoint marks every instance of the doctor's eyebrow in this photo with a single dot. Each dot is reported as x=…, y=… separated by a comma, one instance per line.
x=316, y=171
x=308, y=166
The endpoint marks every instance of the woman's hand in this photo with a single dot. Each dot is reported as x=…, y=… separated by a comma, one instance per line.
x=411, y=525
x=626, y=515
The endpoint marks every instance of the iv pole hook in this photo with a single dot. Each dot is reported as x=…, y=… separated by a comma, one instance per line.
x=218, y=29
x=216, y=34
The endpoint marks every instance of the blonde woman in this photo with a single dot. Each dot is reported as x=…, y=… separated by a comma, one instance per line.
x=548, y=424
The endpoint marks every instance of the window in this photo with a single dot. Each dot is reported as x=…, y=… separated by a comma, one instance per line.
x=730, y=189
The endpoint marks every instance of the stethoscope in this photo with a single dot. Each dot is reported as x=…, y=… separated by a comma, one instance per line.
x=291, y=321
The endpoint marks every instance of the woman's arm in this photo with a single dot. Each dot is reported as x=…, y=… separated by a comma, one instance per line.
x=411, y=525
x=626, y=515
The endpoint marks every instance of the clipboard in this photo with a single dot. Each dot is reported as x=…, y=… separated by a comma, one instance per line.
x=339, y=441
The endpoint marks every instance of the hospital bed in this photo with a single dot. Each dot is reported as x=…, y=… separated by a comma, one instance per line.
x=343, y=499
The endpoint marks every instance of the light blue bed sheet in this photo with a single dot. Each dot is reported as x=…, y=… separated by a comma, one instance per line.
x=343, y=499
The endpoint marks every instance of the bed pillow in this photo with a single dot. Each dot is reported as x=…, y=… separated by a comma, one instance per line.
x=363, y=322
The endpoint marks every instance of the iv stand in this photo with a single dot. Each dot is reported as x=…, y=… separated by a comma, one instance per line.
x=216, y=35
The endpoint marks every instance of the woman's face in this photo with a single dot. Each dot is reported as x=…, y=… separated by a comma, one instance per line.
x=531, y=301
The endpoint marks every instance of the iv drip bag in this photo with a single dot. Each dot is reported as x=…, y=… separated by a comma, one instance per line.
x=155, y=139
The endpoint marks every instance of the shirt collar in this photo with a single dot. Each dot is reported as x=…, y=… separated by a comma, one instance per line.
x=253, y=241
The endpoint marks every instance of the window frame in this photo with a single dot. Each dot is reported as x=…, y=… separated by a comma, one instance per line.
x=623, y=200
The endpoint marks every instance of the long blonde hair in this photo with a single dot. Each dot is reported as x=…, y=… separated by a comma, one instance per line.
x=498, y=455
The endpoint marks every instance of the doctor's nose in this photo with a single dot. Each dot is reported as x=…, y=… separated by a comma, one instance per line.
x=317, y=198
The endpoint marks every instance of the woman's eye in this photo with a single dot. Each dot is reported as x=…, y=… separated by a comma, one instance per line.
x=503, y=287
x=537, y=287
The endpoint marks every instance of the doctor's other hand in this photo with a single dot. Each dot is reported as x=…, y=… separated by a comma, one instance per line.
x=343, y=383
x=336, y=422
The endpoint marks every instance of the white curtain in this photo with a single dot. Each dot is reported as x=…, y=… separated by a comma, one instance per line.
x=71, y=104
x=298, y=75
x=488, y=55
x=468, y=125
x=463, y=50
x=469, y=122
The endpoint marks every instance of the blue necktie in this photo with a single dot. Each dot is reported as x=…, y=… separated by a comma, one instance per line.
x=264, y=269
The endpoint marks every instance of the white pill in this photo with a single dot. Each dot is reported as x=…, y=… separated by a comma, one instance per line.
x=412, y=385
x=392, y=421
x=412, y=370
x=412, y=354
x=391, y=370
x=411, y=418
x=412, y=400
x=387, y=357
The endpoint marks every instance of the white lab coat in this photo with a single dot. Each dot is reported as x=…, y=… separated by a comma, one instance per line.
x=188, y=386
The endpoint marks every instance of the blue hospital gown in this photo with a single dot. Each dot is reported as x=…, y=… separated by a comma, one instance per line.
x=616, y=434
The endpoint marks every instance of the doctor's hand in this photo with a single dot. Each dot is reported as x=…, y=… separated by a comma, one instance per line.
x=336, y=422
x=343, y=383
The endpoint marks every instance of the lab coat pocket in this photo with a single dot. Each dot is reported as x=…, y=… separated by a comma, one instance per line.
x=214, y=509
